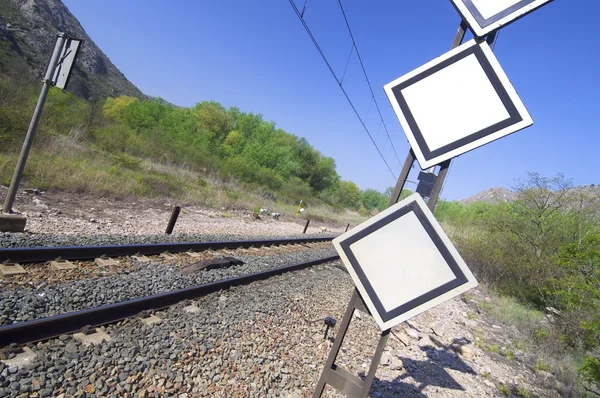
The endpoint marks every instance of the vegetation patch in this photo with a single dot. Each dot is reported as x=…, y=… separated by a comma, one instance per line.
x=541, y=252
x=205, y=154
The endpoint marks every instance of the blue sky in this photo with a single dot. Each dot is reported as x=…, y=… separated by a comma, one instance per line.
x=257, y=56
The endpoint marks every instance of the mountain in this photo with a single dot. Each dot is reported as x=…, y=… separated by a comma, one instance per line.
x=492, y=195
x=28, y=31
x=501, y=195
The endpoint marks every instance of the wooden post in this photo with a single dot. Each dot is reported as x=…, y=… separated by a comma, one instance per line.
x=306, y=226
x=173, y=220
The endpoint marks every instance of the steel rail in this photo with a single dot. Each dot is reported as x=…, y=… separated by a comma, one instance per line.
x=42, y=254
x=54, y=326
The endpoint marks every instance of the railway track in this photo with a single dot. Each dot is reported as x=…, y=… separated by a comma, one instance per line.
x=263, y=339
x=50, y=326
x=43, y=254
x=45, y=328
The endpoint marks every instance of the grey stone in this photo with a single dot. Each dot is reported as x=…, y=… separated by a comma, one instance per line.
x=413, y=333
x=470, y=323
x=71, y=348
x=386, y=359
x=46, y=392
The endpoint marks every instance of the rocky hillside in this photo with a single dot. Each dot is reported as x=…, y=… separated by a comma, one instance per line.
x=501, y=195
x=492, y=195
x=28, y=30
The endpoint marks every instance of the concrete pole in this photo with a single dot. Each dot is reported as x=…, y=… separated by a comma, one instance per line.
x=37, y=113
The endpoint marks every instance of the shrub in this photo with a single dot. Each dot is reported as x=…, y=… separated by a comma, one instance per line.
x=590, y=372
x=294, y=189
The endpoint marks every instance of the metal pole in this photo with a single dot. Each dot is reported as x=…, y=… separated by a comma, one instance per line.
x=337, y=345
x=332, y=374
x=347, y=226
x=445, y=166
x=306, y=226
x=37, y=113
x=410, y=159
x=383, y=339
x=458, y=38
x=173, y=220
x=437, y=186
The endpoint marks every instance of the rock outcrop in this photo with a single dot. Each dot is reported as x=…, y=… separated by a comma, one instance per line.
x=28, y=30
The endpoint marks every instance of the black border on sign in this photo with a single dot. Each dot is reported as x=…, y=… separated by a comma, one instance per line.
x=513, y=118
x=483, y=22
x=460, y=278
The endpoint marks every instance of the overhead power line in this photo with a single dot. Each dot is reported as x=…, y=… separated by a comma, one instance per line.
x=339, y=82
x=362, y=65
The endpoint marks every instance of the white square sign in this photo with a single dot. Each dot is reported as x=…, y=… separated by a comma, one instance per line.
x=403, y=263
x=485, y=16
x=456, y=103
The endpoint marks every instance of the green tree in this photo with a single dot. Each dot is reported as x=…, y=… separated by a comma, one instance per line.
x=403, y=195
x=590, y=372
x=114, y=108
x=144, y=116
x=576, y=289
x=531, y=230
x=323, y=175
x=213, y=117
x=349, y=194
x=63, y=111
x=373, y=199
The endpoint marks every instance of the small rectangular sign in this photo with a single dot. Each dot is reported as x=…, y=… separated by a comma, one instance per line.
x=66, y=62
x=424, y=189
x=403, y=263
x=456, y=103
x=427, y=177
x=486, y=16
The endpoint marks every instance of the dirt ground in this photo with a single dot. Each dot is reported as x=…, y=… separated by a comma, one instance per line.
x=77, y=213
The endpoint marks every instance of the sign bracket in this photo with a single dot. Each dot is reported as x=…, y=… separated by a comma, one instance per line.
x=334, y=375
x=410, y=158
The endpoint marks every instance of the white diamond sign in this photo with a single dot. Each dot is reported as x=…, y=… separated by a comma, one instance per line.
x=485, y=16
x=456, y=103
x=403, y=263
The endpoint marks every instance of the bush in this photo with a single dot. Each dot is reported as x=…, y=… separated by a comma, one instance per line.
x=293, y=190
x=543, y=249
x=590, y=372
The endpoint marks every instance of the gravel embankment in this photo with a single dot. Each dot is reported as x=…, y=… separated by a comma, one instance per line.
x=266, y=340
x=251, y=341
x=25, y=303
x=260, y=340
x=8, y=240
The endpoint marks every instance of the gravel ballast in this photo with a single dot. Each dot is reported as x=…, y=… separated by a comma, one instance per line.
x=260, y=340
x=25, y=303
x=266, y=339
x=9, y=240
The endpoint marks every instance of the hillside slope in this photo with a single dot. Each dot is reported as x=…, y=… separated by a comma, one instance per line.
x=27, y=34
x=492, y=195
x=498, y=195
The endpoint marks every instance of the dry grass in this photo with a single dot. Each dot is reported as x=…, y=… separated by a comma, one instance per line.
x=65, y=163
x=546, y=352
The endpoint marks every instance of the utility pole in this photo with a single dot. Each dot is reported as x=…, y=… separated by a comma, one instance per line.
x=8, y=220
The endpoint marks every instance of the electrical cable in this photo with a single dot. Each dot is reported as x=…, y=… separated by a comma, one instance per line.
x=316, y=44
x=347, y=63
x=366, y=76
